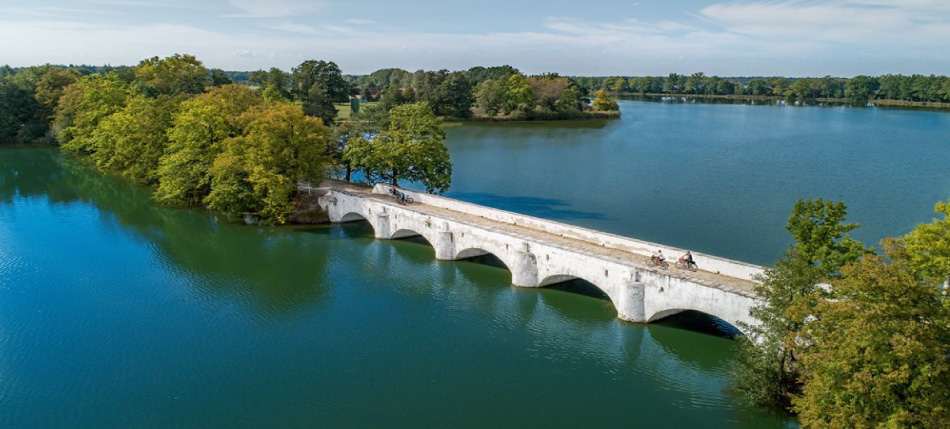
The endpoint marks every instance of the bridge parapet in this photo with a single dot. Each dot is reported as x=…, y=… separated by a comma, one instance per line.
x=726, y=267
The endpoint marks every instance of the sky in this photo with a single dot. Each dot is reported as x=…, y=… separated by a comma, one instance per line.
x=571, y=37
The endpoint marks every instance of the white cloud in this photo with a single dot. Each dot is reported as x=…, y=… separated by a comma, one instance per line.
x=360, y=21
x=837, y=37
x=275, y=8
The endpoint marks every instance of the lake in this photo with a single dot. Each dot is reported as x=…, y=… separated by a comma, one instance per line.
x=115, y=312
x=716, y=178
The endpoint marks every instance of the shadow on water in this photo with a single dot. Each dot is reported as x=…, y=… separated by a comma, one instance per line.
x=698, y=321
x=547, y=208
x=273, y=271
x=580, y=287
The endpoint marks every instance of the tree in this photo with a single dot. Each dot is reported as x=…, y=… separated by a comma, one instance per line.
x=132, y=140
x=177, y=74
x=82, y=105
x=411, y=148
x=490, y=96
x=821, y=235
x=603, y=102
x=764, y=371
x=219, y=77
x=928, y=247
x=17, y=108
x=877, y=354
x=326, y=75
x=258, y=171
x=50, y=88
x=517, y=94
x=456, y=95
x=194, y=141
x=319, y=103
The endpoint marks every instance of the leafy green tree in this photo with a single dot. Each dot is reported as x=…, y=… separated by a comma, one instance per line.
x=490, y=96
x=412, y=148
x=877, y=353
x=822, y=236
x=258, y=172
x=456, y=95
x=219, y=77
x=366, y=124
x=177, y=74
x=83, y=104
x=518, y=94
x=318, y=103
x=132, y=140
x=603, y=102
x=928, y=247
x=323, y=74
x=764, y=372
x=17, y=109
x=50, y=88
x=194, y=141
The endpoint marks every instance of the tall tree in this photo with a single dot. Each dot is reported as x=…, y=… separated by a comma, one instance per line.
x=177, y=74
x=82, y=105
x=764, y=371
x=412, y=148
x=194, y=141
x=258, y=171
x=877, y=352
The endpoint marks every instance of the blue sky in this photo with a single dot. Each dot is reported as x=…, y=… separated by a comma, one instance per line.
x=607, y=37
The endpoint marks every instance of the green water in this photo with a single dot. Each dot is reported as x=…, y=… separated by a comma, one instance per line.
x=117, y=313
x=715, y=178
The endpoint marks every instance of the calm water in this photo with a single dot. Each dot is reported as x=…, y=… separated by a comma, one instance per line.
x=117, y=313
x=716, y=178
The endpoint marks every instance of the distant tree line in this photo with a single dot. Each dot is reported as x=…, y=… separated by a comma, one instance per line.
x=914, y=88
x=198, y=139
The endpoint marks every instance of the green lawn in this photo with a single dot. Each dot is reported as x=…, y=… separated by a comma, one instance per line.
x=343, y=111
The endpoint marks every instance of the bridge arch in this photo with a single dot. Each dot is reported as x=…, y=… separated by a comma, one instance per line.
x=353, y=217
x=556, y=279
x=663, y=314
x=406, y=233
x=472, y=252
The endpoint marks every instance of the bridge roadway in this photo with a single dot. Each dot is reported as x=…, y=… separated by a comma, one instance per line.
x=641, y=293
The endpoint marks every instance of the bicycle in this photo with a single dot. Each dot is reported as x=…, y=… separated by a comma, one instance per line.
x=686, y=265
x=659, y=263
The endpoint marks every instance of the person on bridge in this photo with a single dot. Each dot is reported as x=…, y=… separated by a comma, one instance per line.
x=657, y=257
x=687, y=259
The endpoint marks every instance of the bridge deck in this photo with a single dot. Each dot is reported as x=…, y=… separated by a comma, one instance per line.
x=639, y=262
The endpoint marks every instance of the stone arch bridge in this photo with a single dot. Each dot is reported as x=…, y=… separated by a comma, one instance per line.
x=540, y=253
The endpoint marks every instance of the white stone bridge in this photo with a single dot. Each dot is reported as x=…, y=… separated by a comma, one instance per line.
x=540, y=253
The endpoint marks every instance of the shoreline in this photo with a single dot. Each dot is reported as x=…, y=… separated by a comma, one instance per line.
x=869, y=103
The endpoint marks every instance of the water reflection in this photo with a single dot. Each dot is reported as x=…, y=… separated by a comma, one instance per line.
x=274, y=271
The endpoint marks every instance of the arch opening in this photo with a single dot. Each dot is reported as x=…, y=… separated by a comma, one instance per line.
x=353, y=217
x=577, y=285
x=355, y=225
x=409, y=235
x=481, y=256
x=697, y=321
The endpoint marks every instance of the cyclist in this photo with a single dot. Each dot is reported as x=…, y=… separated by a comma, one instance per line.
x=687, y=259
x=657, y=257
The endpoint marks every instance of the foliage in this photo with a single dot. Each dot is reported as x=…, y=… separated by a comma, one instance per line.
x=177, y=74
x=877, y=354
x=82, y=105
x=821, y=235
x=201, y=124
x=258, y=172
x=767, y=375
x=604, y=103
x=411, y=148
x=132, y=140
x=928, y=247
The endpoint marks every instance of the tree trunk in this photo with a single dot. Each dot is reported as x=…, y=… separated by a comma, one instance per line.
x=349, y=169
